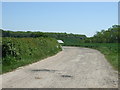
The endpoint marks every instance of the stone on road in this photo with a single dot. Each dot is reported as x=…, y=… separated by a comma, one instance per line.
x=73, y=67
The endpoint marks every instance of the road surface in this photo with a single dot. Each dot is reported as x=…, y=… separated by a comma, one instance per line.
x=73, y=67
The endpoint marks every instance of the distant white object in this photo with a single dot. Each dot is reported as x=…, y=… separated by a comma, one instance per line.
x=60, y=41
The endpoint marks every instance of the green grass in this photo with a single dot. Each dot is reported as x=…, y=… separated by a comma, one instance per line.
x=110, y=50
x=22, y=51
x=111, y=55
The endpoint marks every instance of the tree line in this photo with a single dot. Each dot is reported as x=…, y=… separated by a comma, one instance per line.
x=111, y=35
x=67, y=38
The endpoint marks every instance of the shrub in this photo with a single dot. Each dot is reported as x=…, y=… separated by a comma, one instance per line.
x=22, y=51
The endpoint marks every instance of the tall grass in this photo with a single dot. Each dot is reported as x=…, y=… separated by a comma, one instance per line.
x=17, y=52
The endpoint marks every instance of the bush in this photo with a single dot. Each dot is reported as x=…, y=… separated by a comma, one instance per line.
x=22, y=51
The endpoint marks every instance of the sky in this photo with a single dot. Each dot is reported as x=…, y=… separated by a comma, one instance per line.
x=70, y=17
x=1, y=15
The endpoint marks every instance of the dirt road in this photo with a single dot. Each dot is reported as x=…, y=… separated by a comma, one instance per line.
x=74, y=67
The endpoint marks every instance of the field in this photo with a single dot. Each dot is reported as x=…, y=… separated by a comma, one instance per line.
x=17, y=52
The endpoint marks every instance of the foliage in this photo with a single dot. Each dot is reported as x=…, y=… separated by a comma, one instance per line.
x=67, y=38
x=112, y=35
x=21, y=51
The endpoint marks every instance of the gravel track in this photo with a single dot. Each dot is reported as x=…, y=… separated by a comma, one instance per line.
x=73, y=67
